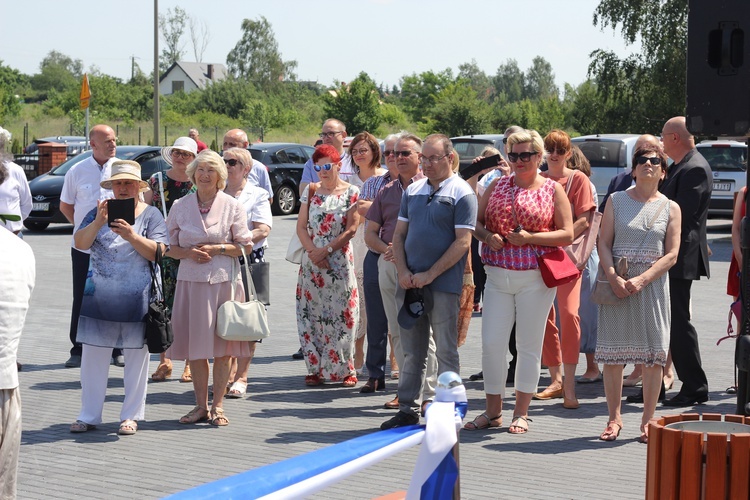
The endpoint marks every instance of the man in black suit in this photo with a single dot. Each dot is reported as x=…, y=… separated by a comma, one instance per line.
x=689, y=184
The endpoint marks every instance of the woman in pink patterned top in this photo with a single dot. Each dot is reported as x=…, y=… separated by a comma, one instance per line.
x=519, y=216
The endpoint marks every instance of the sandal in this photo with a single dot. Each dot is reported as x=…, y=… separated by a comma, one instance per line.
x=218, y=418
x=127, y=428
x=515, y=424
x=186, y=375
x=162, y=373
x=611, y=433
x=476, y=425
x=350, y=381
x=194, y=416
x=394, y=374
x=237, y=390
x=80, y=426
x=313, y=380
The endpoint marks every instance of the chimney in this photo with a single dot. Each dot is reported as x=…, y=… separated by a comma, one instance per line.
x=211, y=72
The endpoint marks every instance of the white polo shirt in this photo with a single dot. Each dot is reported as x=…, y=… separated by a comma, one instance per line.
x=82, y=190
x=15, y=196
x=258, y=176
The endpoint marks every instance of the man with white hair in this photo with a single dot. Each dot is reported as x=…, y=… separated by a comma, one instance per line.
x=237, y=138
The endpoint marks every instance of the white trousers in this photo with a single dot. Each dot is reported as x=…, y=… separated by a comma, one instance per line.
x=94, y=377
x=10, y=441
x=519, y=297
x=388, y=280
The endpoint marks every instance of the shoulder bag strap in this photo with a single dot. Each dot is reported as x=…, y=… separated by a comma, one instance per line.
x=243, y=274
x=654, y=217
x=157, y=290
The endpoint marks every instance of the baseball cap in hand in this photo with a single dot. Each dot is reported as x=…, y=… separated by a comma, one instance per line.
x=415, y=302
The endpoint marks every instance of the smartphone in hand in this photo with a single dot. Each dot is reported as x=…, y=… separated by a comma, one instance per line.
x=121, y=209
x=469, y=170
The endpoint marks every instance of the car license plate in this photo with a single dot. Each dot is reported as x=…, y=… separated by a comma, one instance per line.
x=722, y=186
x=44, y=207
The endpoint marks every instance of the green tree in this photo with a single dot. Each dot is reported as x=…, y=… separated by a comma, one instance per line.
x=172, y=26
x=57, y=72
x=477, y=79
x=356, y=104
x=647, y=88
x=419, y=92
x=256, y=56
x=509, y=81
x=12, y=83
x=540, y=80
x=459, y=111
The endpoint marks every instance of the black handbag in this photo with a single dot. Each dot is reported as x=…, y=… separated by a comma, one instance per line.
x=158, y=323
x=261, y=274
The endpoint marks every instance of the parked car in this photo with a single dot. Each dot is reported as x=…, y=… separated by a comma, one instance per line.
x=76, y=144
x=469, y=147
x=609, y=154
x=285, y=162
x=46, y=189
x=728, y=160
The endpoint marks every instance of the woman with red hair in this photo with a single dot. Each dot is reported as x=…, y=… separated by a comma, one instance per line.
x=327, y=294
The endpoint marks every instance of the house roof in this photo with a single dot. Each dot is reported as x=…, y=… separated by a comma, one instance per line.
x=198, y=72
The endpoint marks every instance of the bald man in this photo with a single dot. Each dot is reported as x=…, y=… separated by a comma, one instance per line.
x=237, y=138
x=79, y=195
x=333, y=132
x=624, y=180
x=689, y=184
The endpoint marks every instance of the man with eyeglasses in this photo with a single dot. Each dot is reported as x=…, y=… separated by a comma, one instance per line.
x=258, y=175
x=333, y=132
x=689, y=183
x=430, y=246
x=80, y=194
x=382, y=218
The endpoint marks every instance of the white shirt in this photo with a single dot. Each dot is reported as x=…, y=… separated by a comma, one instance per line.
x=18, y=269
x=81, y=189
x=15, y=196
x=255, y=201
x=258, y=176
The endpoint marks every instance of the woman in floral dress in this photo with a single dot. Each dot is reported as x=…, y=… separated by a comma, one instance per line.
x=174, y=185
x=327, y=294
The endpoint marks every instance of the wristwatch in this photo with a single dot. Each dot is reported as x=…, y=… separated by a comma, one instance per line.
x=330, y=249
x=223, y=249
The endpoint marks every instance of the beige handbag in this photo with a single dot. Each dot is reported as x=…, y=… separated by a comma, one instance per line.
x=242, y=321
x=295, y=250
x=580, y=250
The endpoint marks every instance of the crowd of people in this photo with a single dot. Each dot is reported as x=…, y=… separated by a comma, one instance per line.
x=389, y=255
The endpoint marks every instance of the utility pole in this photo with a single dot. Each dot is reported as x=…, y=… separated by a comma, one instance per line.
x=156, y=72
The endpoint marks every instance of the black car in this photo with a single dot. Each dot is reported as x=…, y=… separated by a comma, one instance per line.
x=46, y=189
x=76, y=144
x=285, y=162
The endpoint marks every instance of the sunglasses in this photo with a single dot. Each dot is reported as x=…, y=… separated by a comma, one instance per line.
x=642, y=160
x=402, y=154
x=525, y=157
x=327, y=166
x=182, y=154
x=388, y=152
x=232, y=162
x=560, y=152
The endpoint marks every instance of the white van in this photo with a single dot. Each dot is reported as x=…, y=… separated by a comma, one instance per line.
x=609, y=154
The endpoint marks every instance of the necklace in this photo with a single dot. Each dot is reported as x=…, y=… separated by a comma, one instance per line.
x=205, y=206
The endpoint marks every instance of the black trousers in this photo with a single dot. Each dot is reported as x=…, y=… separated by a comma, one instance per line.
x=477, y=268
x=80, y=271
x=683, y=340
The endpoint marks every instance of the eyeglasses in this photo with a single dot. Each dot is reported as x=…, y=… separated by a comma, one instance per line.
x=505, y=140
x=182, y=154
x=642, y=160
x=357, y=152
x=388, y=152
x=232, y=162
x=328, y=134
x=402, y=154
x=429, y=160
x=560, y=152
x=327, y=166
x=525, y=157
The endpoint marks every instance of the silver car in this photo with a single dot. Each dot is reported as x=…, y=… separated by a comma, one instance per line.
x=728, y=160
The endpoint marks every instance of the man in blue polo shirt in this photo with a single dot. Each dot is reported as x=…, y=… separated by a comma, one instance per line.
x=430, y=246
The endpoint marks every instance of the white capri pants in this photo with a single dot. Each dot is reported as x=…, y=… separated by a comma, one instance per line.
x=519, y=297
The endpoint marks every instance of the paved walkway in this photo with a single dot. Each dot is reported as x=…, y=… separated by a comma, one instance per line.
x=561, y=455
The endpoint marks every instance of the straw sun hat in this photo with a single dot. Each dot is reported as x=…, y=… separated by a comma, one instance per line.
x=125, y=170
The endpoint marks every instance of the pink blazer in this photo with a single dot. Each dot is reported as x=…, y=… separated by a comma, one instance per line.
x=226, y=222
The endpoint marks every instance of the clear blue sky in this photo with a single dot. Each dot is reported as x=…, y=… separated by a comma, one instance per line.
x=331, y=40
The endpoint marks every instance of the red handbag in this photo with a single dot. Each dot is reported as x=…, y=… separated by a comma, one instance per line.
x=556, y=268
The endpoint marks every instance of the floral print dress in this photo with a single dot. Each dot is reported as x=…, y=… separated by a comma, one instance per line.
x=328, y=299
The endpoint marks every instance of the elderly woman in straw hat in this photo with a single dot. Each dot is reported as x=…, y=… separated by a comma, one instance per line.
x=116, y=298
x=165, y=190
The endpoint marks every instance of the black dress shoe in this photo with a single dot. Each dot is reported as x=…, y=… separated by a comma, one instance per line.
x=372, y=385
x=401, y=419
x=638, y=398
x=298, y=354
x=686, y=400
x=477, y=376
x=74, y=361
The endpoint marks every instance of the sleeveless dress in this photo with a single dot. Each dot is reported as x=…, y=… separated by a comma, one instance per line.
x=636, y=329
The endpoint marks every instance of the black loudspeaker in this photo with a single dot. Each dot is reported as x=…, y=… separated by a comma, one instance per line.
x=718, y=67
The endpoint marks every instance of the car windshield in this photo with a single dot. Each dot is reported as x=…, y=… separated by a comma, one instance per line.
x=63, y=168
x=601, y=153
x=257, y=154
x=724, y=158
x=470, y=149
